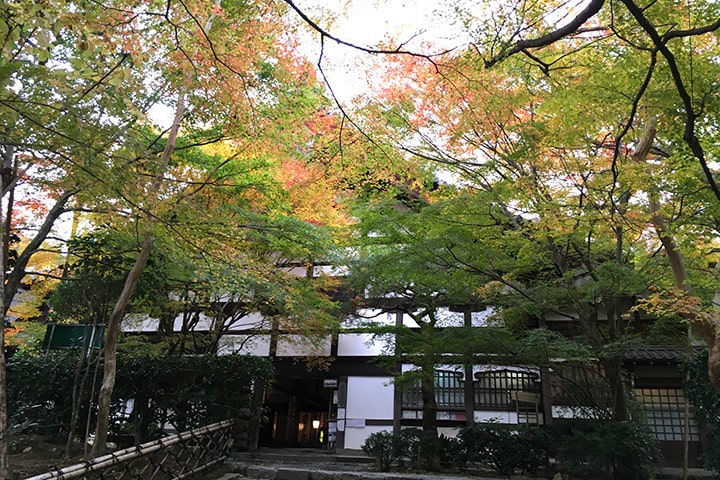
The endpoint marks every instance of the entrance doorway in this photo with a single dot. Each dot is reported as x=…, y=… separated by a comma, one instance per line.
x=297, y=412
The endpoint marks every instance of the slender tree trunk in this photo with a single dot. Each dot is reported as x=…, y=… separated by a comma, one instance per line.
x=4, y=430
x=8, y=154
x=110, y=348
x=82, y=369
x=113, y=328
x=114, y=323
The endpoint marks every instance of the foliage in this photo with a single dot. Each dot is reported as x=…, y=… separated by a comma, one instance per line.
x=385, y=447
x=97, y=264
x=38, y=393
x=423, y=452
x=706, y=399
x=25, y=336
x=180, y=282
x=505, y=448
x=441, y=452
x=612, y=450
x=410, y=439
x=184, y=391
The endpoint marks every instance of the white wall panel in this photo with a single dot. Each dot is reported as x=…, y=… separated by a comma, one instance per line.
x=561, y=411
x=300, y=346
x=330, y=270
x=203, y=325
x=257, y=345
x=370, y=398
x=360, y=344
x=137, y=322
x=355, y=437
x=254, y=320
x=491, y=416
x=369, y=315
x=448, y=431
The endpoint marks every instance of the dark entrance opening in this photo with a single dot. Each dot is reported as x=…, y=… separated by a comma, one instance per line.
x=296, y=411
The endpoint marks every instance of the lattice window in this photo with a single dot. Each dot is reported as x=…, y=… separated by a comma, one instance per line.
x=493, y=389
x=412, y=396
x=449, y=392
x=665, y=413
x=574, y=385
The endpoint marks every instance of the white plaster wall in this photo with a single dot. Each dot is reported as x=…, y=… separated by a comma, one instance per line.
x=360, y=344
x=330, y=270
x=136, y=322
x=408, y=322
x=408, y=367
x=355, y=437
x=492, y=368
x=448, y=431
x=300, y=346
x=368, y=315
x=256, y=345
x=203, y=325
x=370, y=398
x=296, y=271
x=254, y=320
x=450, y=367
x=561, y=411
x=448, y=318
x=495, y=416
x=481, y=319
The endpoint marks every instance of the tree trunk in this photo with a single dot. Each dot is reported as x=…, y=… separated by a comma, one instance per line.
x=82, y=370
x=8, y=154
x=428, y=452
x=110, y=348
x=614, y=374
x=113, y=327
x=4, y=430
x=704, y=324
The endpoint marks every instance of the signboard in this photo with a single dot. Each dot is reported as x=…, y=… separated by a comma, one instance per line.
x=330, y=383
x=525, y=397
x=355, y=422
x=73, y=336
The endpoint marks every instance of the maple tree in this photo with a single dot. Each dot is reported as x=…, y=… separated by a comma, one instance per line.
x=78, y=83
x=555, y=127
x=615, y=71
x=570, y=189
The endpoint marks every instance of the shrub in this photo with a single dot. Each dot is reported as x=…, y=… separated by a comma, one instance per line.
x=410, y=442
x=504, y=448
x=384, y=447
x=187, y=391
x=423, y=452
x=434, y=453
x=706, y=399
x=625, y=450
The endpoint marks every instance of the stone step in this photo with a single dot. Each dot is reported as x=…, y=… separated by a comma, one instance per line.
x=301, y=457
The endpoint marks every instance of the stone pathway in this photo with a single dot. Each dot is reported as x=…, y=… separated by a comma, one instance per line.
x=319, y=465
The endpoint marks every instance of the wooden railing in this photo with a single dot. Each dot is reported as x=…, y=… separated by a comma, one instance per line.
x=173, y=457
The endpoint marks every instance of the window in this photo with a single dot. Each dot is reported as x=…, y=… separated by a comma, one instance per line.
x=665, y=413
x=580, y=386
x=449, y=392
x=493, y=389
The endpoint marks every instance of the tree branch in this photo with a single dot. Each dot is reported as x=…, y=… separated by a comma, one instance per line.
x=325, y=34
x=690, y=114
x=549, y=38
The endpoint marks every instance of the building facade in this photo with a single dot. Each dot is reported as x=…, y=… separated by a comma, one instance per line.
x=332, y=391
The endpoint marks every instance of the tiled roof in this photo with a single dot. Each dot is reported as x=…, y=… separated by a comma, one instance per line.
x=659, y=354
